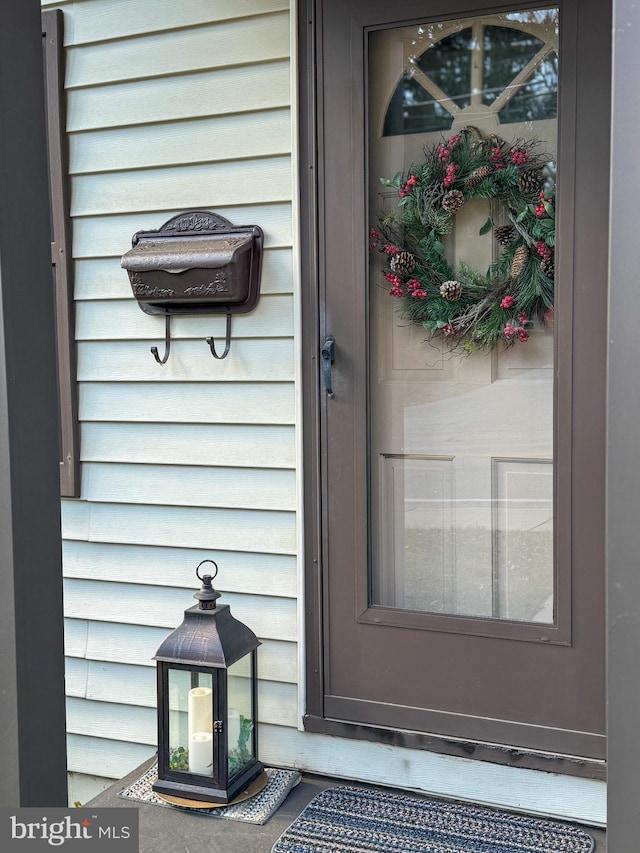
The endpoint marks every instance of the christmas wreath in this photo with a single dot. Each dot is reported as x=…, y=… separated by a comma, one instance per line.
x=469, y=308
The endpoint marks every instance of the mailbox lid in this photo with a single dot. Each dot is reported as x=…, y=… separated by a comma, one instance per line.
x=177, y=254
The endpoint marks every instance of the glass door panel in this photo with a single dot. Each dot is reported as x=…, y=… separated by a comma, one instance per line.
x=461, y=442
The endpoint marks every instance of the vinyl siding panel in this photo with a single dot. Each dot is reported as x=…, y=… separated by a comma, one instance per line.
x=110, y=236
x=135, y=604
x=194, y=527
x=123, y=320
x=113, y=19
x=235, y=488
x=245, y=135
x=189, y=444
x=116, y=722
x=203, y=93
x=176, y=106
x=191, y=361
x=108, y=759
x=179, y=51
x=110, y=642
x=82, y=787
x=129, y=694
x=252, y=403
x=121, y=563
x=193, y=186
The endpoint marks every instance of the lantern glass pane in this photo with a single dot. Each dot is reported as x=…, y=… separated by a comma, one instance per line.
x=191, y=722
x=240, y=718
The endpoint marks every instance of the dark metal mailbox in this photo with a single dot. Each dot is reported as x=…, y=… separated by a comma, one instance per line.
x=196, y=263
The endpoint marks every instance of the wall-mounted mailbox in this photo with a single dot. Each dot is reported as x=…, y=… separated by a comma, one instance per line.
x=196, y=263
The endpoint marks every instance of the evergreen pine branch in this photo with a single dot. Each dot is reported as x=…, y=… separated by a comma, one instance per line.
x=529, y=284
x=501, y=267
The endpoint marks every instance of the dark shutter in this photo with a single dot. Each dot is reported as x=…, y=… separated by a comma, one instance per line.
x=61, y=260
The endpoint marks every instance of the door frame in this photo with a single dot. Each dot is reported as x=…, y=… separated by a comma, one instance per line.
x=311, y=172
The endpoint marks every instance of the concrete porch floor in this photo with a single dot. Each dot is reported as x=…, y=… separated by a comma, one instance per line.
x=173, y=831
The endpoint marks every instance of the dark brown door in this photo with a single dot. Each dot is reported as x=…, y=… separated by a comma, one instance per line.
x=462, y=496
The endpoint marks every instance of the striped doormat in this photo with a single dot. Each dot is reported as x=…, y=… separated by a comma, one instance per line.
x=350, y=820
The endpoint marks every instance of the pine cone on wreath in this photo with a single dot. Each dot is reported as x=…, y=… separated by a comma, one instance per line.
x=477, y=176
x=402, y=263
x=530, y=181
x=452, y=201
x=504, y=234
x=519, y=260
x=548, y=267
x=451, y=291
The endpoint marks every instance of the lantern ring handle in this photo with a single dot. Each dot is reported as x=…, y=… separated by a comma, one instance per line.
x=213, y=563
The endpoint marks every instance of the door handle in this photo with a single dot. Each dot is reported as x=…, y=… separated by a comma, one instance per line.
x=327, y=353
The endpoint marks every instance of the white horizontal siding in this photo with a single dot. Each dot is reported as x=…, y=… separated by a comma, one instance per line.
x=205, y=47
x=113, y=19
x=177, y=485
x=191, y=361
x=175, y=567
x=135, y=604
x=110, y=236
x=203, y=140
x=103, y=278
x=255, y=531
x=123, y=320
x=98, y=718
x=109, y=759
x=252, y=403
x=189, y=444
x=83, y=787
x=114, y=694
x=110, y=642
x=258, y=181
x=204, y=93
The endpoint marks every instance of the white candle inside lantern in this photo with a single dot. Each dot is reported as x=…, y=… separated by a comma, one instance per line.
x=201, y=753
x=200, y=710
x=233, y=729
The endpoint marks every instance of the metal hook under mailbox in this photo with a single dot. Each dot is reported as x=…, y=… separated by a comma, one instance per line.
x=167, y=341
x=196, y=263
x=227, y=343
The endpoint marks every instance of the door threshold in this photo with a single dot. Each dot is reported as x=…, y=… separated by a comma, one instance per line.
x=510, y=756
x=444, y=769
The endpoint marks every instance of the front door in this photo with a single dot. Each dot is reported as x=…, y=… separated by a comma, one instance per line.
x=460, y=554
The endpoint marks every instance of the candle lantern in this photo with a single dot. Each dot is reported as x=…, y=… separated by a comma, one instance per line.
x=207, y=703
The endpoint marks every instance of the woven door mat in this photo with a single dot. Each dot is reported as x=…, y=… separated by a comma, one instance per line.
x=350, y=820
x=256, y=810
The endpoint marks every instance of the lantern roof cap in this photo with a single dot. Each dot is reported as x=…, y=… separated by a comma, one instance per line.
x=208, y=638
